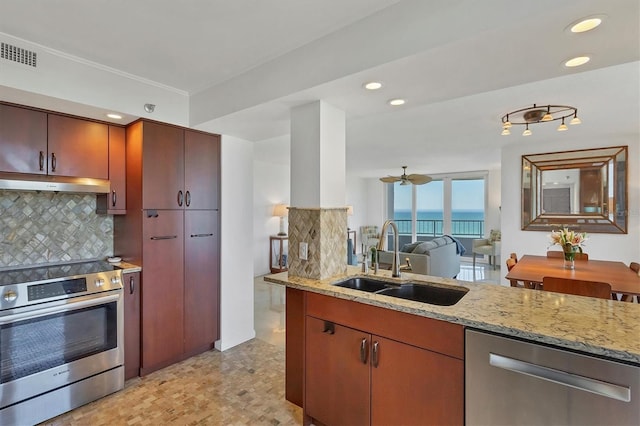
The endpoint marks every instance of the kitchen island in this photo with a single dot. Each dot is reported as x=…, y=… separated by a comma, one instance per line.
x=602, y=328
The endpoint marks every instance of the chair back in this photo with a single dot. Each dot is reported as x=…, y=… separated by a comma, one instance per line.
x=577, y=287
x=510, y=263
x=560, y=254
x=369, y=235
x=635, y=267
x=514, y=257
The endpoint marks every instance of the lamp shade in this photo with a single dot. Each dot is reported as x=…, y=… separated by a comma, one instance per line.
x=349, y=210
x=281, y=210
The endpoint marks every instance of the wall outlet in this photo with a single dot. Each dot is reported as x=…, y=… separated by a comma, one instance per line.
x=303, y=251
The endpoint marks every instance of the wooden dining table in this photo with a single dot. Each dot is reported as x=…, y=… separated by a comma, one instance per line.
x=534, y=268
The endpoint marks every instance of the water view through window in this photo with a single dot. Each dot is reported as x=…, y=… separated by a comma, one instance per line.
x=462, y=216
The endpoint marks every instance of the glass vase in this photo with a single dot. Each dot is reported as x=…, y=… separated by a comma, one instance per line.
x=569, y=260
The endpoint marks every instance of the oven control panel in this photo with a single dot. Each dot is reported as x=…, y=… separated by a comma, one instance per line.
x=13, y=296
x=55, y=289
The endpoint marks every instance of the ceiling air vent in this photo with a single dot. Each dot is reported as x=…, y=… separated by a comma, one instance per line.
x=17, y=54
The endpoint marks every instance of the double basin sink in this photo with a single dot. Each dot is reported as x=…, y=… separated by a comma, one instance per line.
x=434, y=295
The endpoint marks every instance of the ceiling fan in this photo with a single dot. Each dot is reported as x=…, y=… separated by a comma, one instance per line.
x=406, y=179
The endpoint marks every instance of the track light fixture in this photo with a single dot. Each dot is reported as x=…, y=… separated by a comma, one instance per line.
x=539, y=114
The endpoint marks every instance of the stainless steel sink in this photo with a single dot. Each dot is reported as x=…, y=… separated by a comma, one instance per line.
x=433, y=295
x=363, y=284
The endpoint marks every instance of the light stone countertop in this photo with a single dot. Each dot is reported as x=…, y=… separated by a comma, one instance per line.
x=596, y=326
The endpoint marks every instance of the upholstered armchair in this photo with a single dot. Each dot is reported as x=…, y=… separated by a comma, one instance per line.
x=487, y=247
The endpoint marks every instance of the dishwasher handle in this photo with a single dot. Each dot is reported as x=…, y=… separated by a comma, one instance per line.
x=564, y=378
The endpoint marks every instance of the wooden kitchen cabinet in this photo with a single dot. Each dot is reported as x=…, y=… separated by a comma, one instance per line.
x=163, y=295
x=202, y=168
x=181, y=303
x=116, y=201
x=411, y=385
x=185, y=167
x=23, y=137
x=77, y=148
x=201, y=272
x=338, y=376
x=379, y=365
x=132, y=290
x=163, y=160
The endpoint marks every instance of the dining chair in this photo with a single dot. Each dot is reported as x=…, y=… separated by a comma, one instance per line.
x=635, y=267
x=511, y=262
x=514, y=257
x=554, y=254
x=577, y=287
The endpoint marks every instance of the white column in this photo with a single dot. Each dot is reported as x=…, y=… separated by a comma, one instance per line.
x=318, y=156
x=318, y=214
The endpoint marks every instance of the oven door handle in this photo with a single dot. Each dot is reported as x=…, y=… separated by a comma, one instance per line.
x=69, y=306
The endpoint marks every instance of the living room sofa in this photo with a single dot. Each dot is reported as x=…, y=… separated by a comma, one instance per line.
x=438, y=257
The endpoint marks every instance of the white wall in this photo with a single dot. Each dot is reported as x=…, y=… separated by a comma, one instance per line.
x=357, y=197
x=68, y=79
x=236, y=220
x=618, y=247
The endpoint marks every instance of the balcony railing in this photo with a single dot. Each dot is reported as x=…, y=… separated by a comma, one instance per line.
x=433, y=228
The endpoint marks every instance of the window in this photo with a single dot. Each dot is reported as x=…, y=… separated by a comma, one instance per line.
x=453, y=205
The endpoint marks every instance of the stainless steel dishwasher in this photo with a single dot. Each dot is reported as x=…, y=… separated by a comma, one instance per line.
x=514, y=382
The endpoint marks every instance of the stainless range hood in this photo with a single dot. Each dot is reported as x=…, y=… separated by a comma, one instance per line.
x=27, y=182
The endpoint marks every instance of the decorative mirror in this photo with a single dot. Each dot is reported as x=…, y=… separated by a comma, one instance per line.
x=584, y=190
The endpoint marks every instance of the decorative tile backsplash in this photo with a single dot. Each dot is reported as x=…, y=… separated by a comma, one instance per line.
x=49, y=227
x=325, y=232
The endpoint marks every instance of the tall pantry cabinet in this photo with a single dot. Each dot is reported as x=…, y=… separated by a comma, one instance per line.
x=172, y=229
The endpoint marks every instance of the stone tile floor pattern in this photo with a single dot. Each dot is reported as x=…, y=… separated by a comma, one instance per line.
x=241, y=386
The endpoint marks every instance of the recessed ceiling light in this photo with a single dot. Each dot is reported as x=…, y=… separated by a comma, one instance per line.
x=577, y=61
x=115, y=116
x=586, y=24
x=373, y=85
x=396, y=102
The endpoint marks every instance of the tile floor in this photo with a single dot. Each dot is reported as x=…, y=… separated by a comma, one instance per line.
x=241, y=386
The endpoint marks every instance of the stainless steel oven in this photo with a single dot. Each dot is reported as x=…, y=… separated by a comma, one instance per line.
x=61, y=335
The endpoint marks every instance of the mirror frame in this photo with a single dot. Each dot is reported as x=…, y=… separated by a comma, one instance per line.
x=614, y=159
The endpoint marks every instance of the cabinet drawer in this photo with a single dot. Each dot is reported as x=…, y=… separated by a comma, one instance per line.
x=426, y=333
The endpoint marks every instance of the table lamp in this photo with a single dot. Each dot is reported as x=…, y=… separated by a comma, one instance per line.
x=281, y=210
x=349, y=213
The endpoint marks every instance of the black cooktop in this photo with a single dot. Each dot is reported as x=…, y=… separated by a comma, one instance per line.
x=43, y=273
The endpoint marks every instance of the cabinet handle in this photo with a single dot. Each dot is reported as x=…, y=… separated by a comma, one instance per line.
x=201, y=235
x=113, y=198
x=363, y=350
x=188, y=198
x=374, y=355
x=54, y=161
x=329, y=327
x=131, y=285
x=165, y=237
x=180, y=198
x=41, y=161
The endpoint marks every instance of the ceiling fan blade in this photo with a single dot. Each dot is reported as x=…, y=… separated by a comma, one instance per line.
x=417, y=179
x=390, y=179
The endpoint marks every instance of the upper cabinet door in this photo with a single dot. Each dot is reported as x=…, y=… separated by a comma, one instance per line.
x=162, y=167
x=117, y=171
x=23, y=140
x=202, y=170
x=78, y=148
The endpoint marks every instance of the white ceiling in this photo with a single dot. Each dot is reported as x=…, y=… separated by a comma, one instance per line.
x=461, y=64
